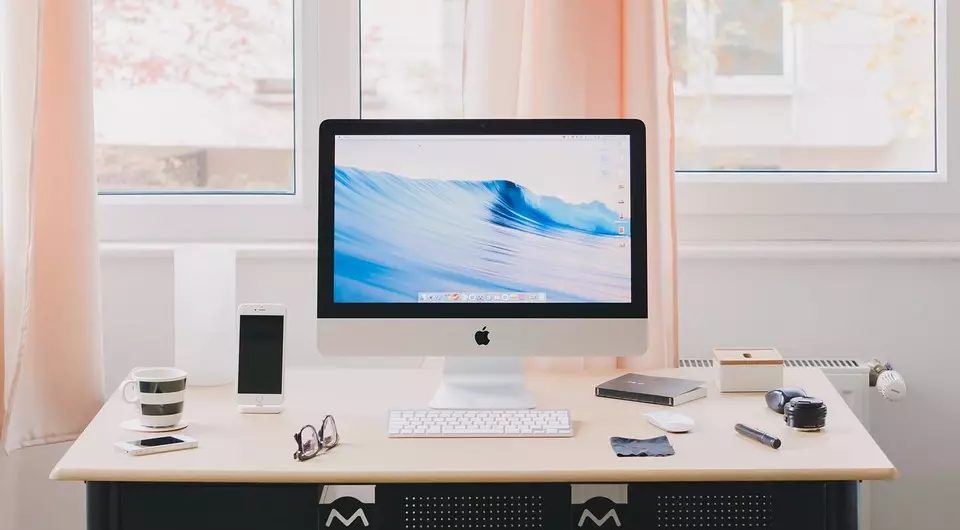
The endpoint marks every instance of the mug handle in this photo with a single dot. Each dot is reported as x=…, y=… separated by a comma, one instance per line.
x=123, y=391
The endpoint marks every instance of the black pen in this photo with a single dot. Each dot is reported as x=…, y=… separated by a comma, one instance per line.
x=758, y=436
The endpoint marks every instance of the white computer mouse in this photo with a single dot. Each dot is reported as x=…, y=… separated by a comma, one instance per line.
x=670, y=421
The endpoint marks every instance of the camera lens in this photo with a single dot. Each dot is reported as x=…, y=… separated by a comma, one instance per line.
x=805, y=414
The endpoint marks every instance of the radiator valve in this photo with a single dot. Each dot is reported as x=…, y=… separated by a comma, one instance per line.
x=888, y=381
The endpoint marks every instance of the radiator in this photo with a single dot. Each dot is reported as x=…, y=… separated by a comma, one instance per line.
x=851, y=378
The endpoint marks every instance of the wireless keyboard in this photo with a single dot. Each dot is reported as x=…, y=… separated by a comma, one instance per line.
x=479, y=424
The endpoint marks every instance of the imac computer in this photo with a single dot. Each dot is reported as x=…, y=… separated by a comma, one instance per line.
x=484, y=242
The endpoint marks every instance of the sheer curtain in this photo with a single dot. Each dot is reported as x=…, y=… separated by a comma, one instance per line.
x=588, y=58
x=52, y=384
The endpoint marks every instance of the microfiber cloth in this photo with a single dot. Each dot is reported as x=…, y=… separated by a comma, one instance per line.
x=659, y=446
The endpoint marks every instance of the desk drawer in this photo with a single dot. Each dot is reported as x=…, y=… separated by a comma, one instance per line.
x=152, y=506
x=743, y=505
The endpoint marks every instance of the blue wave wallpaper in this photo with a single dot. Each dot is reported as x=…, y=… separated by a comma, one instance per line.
x=395, y=237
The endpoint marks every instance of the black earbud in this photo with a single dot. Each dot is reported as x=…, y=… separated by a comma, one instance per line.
x=778, y=399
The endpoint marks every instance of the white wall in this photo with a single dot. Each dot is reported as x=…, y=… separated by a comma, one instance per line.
x=899, y=307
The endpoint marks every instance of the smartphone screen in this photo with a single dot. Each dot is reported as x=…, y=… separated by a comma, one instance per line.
x=155, y=442
x=261, y=354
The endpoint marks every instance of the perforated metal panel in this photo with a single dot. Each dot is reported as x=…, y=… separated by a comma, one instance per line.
x=804, y=505
x=480, y=506
x=473, y=512
x=709, y=512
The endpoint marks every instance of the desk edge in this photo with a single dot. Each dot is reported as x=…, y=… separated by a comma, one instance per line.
x=433, y=476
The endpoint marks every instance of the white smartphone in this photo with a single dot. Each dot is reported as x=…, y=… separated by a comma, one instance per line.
x=260, y=374
x=160, y=444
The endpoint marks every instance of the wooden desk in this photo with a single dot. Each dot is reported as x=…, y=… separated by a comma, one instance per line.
x=246, y=461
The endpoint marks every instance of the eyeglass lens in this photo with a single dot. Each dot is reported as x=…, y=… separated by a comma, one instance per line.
x=329, y=432
x=309, y=441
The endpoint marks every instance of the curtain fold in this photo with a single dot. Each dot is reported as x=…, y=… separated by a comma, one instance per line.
x=594, y=59
x=53, y=370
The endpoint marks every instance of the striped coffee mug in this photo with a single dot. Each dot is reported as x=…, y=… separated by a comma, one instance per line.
x=158, y=394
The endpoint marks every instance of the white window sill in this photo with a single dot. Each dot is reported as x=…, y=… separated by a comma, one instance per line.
x=810, y=177
x=286, y=250
x=686, y=250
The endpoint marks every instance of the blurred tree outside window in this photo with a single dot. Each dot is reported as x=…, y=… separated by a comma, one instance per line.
x=193, y=95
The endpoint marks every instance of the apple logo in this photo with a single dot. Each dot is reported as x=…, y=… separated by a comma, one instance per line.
x=482, y=337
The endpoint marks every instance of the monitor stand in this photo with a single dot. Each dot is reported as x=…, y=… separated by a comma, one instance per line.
x=492, y=383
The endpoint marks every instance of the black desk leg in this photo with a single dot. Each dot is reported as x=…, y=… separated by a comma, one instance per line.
x=103, y=506
x=843, y=505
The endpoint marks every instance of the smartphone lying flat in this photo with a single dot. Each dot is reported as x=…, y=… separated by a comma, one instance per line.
x=160, y=444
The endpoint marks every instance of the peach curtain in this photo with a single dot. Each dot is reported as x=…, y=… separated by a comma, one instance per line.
x=588, y=58
x=50, y=278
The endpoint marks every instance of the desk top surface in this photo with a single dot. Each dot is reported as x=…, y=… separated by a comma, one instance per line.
x=259, y=448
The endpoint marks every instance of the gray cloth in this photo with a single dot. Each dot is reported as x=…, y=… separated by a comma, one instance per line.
x=659, y=446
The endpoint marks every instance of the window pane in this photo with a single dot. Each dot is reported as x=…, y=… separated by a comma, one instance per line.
x=805, y=85
x=410, y=58
x=750, y=37
x=194, y=96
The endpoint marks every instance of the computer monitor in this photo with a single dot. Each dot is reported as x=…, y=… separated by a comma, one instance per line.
x=482, y=241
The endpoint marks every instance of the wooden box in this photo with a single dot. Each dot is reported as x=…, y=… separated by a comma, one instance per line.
x=748, y=369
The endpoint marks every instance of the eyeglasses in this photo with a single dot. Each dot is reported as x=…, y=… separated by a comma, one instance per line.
x=311, y=443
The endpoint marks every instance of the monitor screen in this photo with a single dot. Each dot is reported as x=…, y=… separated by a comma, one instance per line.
x=458, y=219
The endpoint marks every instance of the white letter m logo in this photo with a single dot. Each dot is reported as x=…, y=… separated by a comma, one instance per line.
x=360, y=515
x=588, y=514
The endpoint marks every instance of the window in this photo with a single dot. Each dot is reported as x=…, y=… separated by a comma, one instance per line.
x=204, y=115
x=805, y=86
x=732, y=46
x=195, y=117
x=756, y=39
x=194, y=96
